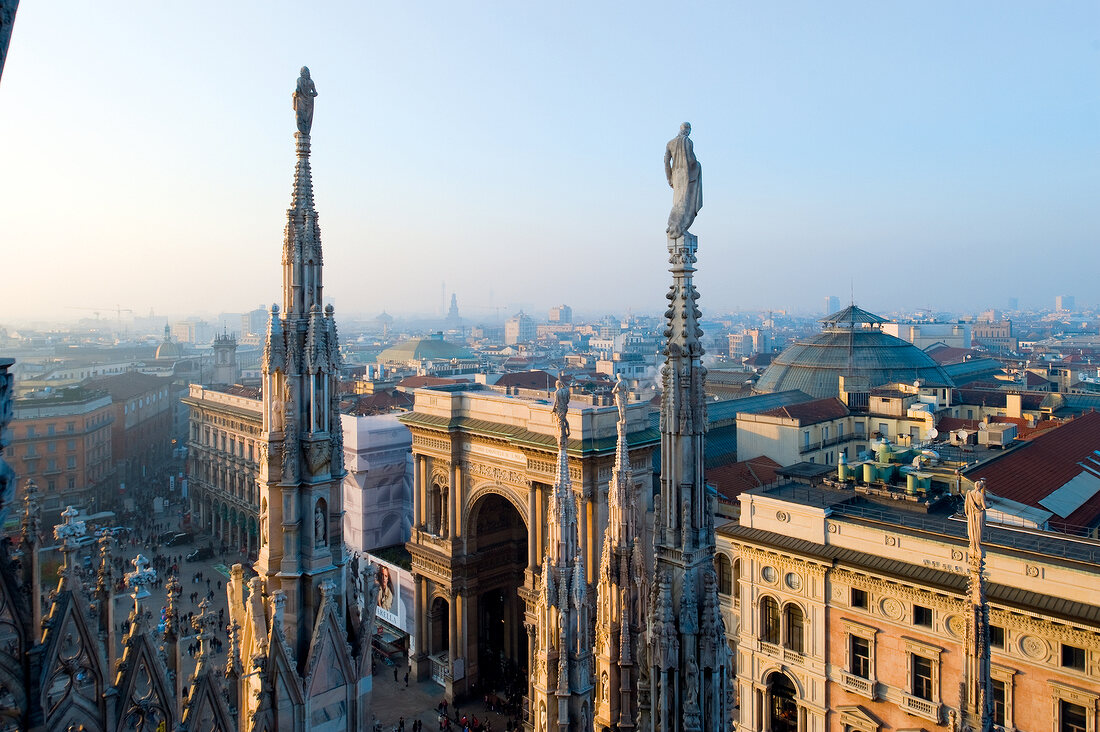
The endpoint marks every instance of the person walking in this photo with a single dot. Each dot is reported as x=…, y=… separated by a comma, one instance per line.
x=406, y=678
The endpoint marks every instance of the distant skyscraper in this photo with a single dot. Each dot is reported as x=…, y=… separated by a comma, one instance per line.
x=1064, y=303
x=561, y=314
x=832, y=304
x=520, y=328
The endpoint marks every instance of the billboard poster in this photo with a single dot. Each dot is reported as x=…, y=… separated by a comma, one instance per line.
x=395, y=594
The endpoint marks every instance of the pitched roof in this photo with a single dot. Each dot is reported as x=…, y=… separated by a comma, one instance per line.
x=537, y=379
x=734, y=479
x=128, y=385
x=415, y=382
x=1033, y=473
x=944, y=355
x=819, y=410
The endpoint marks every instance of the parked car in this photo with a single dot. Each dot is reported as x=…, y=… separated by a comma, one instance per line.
x=203, y=552
x=180, y=539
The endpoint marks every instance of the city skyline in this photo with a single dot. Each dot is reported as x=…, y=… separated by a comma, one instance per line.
x=514, y=153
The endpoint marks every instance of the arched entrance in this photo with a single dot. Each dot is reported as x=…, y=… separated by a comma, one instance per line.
x=498, y=539
x=782, y=710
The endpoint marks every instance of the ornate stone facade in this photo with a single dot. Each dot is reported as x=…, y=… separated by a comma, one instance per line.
x=485, y=466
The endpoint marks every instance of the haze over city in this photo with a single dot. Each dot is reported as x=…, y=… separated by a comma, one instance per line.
x=930, y=155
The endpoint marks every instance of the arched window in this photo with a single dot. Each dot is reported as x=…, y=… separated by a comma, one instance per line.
x=725, y=574
x=769, y=621
x=795, y=631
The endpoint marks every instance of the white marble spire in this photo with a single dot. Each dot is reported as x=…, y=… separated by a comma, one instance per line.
x=563, y=673
x=620, y=609
x=688, y=681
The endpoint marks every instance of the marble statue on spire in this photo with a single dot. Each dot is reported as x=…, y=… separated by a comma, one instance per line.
x=975, y=515
x=685, y=178
x=303, y=101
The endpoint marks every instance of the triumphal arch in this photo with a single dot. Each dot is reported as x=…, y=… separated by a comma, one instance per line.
x=484, y=463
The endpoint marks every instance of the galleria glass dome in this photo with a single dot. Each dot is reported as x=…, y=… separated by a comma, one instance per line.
x=851, y=342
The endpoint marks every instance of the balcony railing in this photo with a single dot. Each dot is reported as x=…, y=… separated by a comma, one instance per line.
x=921, y=707
x=859, y=685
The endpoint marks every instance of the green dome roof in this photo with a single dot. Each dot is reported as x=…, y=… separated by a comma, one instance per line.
x=849, y=345
x=423, y=349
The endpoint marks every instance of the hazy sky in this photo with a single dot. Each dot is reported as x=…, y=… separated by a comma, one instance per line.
x=936, y=153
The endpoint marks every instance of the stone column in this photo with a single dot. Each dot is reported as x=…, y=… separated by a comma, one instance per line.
x=532, y=527
x=422, y=472
x=417, y=504
x=455, y=501
x=540, y=523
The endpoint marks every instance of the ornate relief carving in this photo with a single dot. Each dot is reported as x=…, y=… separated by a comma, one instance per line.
x=1034, y=647
x=892, y=608
x=957, y=555
x=500, y=475
x=956, y=626
x=782, y=516
x=1032, y=570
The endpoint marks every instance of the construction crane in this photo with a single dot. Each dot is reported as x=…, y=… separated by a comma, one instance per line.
x=119, y=310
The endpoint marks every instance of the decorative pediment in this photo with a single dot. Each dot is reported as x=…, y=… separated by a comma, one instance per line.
x=146, y=699
x=205, y=709
x=72, y=681
x=328, y=665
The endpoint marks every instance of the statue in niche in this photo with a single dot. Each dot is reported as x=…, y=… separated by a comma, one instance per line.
x=685, y=178
x=277, y=418
x=319, y=526
x=303, y=101
x=975, y=516
x=263, y=524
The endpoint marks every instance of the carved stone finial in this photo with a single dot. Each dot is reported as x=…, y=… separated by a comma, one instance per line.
x=139, y=580
x=203, y=623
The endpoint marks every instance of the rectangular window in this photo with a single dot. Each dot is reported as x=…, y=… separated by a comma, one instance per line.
x=70, y=426
x=998, y=702
x=31, y=451
x=884, y=429
x=51, y=486
x=70, y=462
x=922, y=677
x=860, y=429
x=49, y=429
x=1073, y=717
x=1073, y=657
x=51, y=446
x=861, y=657
x=996, y=636
x=70, y=445
x=30, y=431
x=922, y=616
x=806, y=439
x=859, y=598
x=51, y=464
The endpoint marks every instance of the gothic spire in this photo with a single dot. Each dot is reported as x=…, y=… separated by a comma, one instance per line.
x=619, y=606
x=689, y=673
x=563, y=678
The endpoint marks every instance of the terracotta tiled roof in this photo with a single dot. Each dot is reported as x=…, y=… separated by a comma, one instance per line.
x=1033, y=379
x=528, y=380
x=381, y=402
x=249, y=392
x=945, y=355
x=819, y=410
x=128, y=385
x=1025, y=431
x=950, y=424
x=734, y=479
x=1032, y=472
